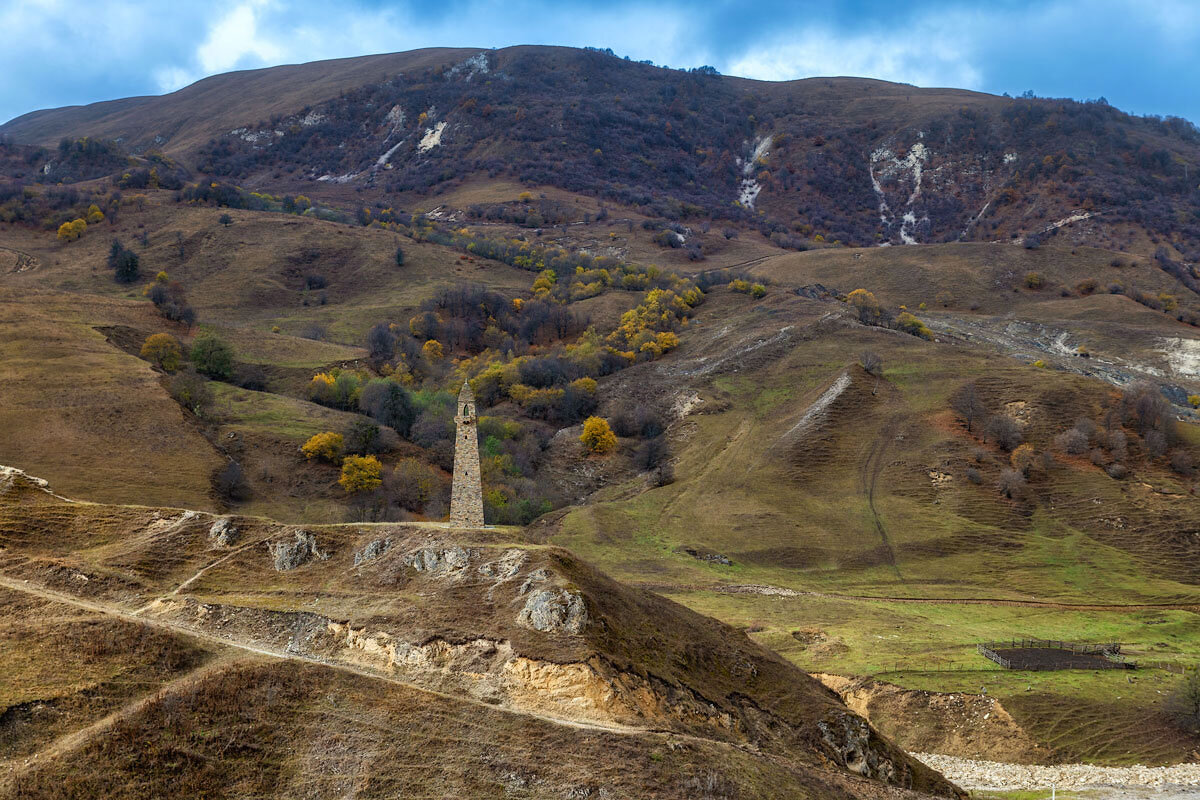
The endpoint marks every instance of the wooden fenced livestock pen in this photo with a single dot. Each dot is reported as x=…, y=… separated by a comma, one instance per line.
x=1050, y=654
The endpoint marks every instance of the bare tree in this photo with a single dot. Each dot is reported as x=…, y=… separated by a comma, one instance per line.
x=1004, y=431
x=230, y=482
x=1011, y=483
x=871, y=361
x=381, y=343
x=1118, y=444
x=1088, y=428
x=1146, y=409
x=967, y=403
x=1181, y=462
x=1073, y=442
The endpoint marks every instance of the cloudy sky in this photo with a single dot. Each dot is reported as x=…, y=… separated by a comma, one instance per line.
x=1142, y=55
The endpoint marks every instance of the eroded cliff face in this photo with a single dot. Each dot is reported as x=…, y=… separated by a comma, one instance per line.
x=500, y=657
x=954, y=723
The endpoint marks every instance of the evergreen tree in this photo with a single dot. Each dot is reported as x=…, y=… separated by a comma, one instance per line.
x=123, y=263
x=212, y=357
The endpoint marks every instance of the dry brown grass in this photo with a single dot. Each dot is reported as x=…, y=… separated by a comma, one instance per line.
x=226, y=729
x=207, y=108
x=288, y=731
x=92, y=418
x=66, y=668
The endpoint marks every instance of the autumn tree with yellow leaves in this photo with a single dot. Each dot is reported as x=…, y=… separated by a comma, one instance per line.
x=597, y=436
x=361, y=474
x=325, y=446
x=162, y=350
x=70, y=231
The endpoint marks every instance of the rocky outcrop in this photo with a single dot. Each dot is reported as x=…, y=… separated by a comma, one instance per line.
x=511, y=624
x=438, y=560
x=505, y=567
x=490, y=670
x=289, y=555
x=223, y=533
x=955, y=723
x=373, y=550
x=858, y=749
x=555, y=611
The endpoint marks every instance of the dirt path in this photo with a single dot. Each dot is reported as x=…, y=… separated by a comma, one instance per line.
x=21, y=261
x=872, y=467
x=183, y=630
x=75, y=740
x=206, y=568
x=747, y=263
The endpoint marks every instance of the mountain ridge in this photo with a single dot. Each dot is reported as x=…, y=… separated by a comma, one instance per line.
x=807, y=162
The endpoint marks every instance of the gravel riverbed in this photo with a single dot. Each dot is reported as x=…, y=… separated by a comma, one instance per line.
x=971, y=774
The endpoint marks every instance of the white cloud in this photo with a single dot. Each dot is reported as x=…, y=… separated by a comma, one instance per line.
x=234, y=40
x=921, y=57
x=257, y=33
x=171, y=78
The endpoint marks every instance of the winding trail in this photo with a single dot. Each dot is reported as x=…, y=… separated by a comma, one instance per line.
x=872, y=467
x=183, y=630
x=75, y=740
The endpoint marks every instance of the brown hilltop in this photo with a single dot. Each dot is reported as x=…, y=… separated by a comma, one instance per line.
x=187, y=118
x=468, y=619
x=212, y=106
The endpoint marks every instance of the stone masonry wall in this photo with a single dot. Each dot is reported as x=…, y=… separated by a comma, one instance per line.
x=466, y=496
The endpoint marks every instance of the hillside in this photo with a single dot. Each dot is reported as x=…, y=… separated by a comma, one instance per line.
x=860, y=460
x=465, y=642
x=806, y=162
x=183, y=120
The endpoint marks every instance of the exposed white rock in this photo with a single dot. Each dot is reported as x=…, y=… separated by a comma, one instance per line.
x=438, y=560
x=748, y=192
x=750, y=188
x=253, y=137
x=383, y=159
x=554, y=610
x=289, y=555
x=1183, y=356
x=223, y=532
x=373, y=550
x=475, y=65
x=432, y=138
x=505, y=567
x=816, y=412
x=885, y=165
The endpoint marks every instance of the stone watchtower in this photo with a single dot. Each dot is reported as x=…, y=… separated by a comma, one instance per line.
x=466, y=496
